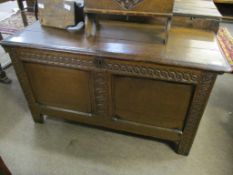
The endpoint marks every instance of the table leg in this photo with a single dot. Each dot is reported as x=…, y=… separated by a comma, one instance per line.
x=36, y=10
x=24, y=18
x=3, y=77
x=20, y=4
x=22, y=10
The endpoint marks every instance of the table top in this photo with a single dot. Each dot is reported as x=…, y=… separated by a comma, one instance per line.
x=185, y=48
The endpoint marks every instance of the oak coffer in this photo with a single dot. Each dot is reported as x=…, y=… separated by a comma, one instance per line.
x=122, y=79
x=147, y=89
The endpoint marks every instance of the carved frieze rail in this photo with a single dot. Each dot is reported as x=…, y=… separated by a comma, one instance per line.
x=120, y=67
x=162, y=73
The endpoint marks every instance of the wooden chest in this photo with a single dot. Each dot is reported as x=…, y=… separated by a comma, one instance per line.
x=136, y=86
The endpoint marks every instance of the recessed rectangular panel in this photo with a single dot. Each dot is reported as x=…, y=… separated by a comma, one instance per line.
x=151, y=102
x=60, y=87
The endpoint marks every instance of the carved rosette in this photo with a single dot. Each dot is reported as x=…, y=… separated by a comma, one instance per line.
x=128, y=4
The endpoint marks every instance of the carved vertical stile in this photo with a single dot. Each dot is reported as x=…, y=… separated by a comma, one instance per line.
x=25, y=84
x=101, y=93
x=199, y=102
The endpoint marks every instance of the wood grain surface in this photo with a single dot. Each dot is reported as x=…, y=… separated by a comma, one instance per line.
x=186, y=47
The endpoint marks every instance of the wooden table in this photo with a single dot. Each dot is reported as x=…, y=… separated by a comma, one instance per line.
x=121, y=80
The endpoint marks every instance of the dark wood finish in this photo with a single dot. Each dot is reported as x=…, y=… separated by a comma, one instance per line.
x=224, y=1
x=148, y=89
x=22, y=10
x=226, y=9
x=31, y=7
x=189, y=48
x=3, y=168
x=133, y=103
x=1, y=1
x=31, y=3
x=3, y=78
x=20, y=4
x=122, y=79
x=200, y=98
x=69, y=95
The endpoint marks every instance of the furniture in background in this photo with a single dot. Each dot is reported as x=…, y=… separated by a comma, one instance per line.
x=226, y=8
x=3, y=78
x=31, y=6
